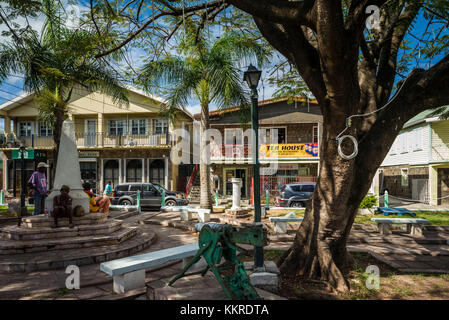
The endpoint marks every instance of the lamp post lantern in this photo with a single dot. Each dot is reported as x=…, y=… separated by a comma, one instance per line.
x=252, y=77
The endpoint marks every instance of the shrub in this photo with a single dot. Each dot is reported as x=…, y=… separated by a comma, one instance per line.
x=368, y=202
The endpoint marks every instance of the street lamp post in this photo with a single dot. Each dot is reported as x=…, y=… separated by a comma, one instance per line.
x=252, y=77
x=22, y=191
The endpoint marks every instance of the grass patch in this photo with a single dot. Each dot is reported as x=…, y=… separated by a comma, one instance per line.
x=436, y=218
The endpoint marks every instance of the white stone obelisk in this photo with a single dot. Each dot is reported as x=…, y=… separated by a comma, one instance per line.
x=68, y=170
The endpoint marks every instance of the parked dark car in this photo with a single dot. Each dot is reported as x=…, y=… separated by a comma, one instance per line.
x=172, y=198
x=151, y=195
x=296, y=194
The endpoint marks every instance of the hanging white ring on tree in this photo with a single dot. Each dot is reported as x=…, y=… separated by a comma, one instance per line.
x=354, y=152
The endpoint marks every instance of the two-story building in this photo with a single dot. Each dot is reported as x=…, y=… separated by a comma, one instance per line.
x=293, y=157
x=128, y=143
x=417, y=164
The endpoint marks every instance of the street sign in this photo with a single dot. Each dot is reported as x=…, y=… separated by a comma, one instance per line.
x=30, y=154
x=27, y=154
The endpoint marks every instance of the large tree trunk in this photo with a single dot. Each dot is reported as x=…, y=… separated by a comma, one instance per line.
x=319, y=249
x=325, y=45
x=205, y=192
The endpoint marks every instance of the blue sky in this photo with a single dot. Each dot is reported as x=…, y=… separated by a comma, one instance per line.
x=12, y=86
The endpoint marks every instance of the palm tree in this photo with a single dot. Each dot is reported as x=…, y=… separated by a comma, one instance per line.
x=54, y=64
x=208, y=71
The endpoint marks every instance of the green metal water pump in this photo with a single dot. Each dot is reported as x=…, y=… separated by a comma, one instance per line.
x=217, y=241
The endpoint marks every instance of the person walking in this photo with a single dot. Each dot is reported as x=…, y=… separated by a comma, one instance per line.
x=38, y=188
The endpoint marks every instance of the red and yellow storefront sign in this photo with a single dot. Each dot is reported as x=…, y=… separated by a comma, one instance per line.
x=290, y=150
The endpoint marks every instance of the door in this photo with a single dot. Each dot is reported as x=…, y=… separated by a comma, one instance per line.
x=89, y=174
x=443, y=186
x=157, y=172
x=153, y=198
x=90, y=134
x=419, y=189
x=111, y=173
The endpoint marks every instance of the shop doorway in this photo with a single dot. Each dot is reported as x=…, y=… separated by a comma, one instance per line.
x=111, y=173
x=89, y=174
x=157, y=172
x=235, y=173
x=134, y=170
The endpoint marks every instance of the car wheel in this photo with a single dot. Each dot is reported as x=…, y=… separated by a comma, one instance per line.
x=170, y=203
x=296, y=204
x=125, y=203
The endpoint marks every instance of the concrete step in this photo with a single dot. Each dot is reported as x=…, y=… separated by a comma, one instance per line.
x=56, y=259
x=24, y=234
x=41, y=221
x=8, y=247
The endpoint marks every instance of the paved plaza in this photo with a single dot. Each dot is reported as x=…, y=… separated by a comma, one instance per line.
x=406, y=253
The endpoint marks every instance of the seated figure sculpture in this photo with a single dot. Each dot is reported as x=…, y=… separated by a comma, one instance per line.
x=62, y=207
x=97, y=204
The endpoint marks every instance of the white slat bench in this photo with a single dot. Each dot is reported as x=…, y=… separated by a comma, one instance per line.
x=129, y=273
x=280, y=223
x=414, y=225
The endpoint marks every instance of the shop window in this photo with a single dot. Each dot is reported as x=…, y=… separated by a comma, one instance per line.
x=275, y=135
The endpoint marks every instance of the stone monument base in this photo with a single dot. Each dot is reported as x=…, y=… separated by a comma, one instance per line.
x=237, y=213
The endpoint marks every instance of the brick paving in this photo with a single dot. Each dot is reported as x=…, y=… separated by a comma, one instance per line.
x=407, y=255
x=94, y=283
x=422, y=254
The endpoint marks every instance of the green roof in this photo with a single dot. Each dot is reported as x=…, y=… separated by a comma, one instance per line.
x=420, y=117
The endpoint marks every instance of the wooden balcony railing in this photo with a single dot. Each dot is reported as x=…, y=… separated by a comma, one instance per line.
x=90, y=140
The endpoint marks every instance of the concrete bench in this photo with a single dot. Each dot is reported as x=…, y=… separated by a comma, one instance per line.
x=280, y=223
x=129, y=273
x=414, y=225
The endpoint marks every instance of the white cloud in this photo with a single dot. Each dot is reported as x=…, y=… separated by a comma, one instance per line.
x=194, y=109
